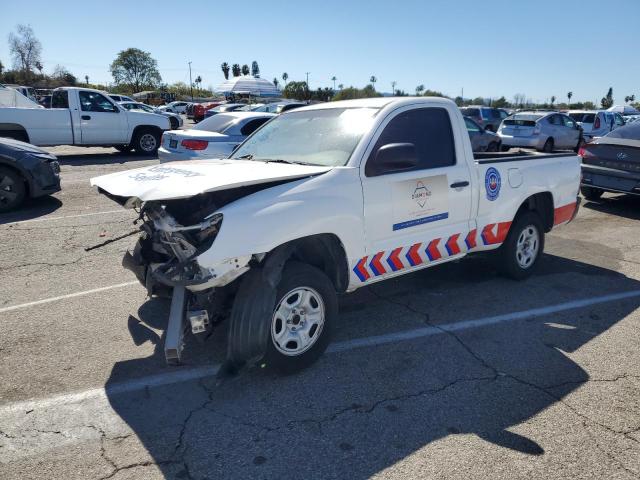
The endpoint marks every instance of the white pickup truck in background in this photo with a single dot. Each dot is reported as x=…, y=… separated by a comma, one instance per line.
x=327, y=199
x=84, y=117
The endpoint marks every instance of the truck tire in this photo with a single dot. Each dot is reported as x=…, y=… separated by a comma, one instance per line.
x=519, y=254
x=12, y=189
x=146, y=141
x=591, y=193
x=300, y=325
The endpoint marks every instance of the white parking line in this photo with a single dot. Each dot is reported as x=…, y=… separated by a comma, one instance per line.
x=196, y=373
x=64, y=297
x=62, y=217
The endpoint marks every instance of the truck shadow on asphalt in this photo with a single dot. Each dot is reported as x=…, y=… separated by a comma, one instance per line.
x=358, y=412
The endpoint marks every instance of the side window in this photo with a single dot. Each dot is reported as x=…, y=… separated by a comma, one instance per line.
x=555, y=120
x=472, y=126
x=503, y=114
x=619, y=120
x=568, y=122
x=495, y=114
x=60, y=99
x=428, y=129
x=95, y=102
x=252, y=125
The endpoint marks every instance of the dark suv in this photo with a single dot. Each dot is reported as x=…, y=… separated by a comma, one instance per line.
x=487, y=117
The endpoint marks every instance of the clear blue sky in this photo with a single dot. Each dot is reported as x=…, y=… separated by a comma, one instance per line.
x=491, y=48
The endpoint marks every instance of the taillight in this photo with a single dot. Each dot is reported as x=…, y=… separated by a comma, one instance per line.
x=582, y=152
x=194, y=144
x=596, y=124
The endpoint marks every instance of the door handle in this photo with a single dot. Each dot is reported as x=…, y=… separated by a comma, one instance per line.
x=86, y=117
x=459, y=184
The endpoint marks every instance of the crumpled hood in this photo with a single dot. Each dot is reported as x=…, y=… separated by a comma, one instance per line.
x=185, y=179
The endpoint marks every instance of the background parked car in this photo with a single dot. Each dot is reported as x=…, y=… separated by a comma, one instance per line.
x=227, y=107
x=214, y=137
x=487, y=117
x=612, y=163
x=120, y=98
x=175, y=120
x=596, y=123
x=543, y=131
x=25, y=171
x=481, y=140
x=189, y=109
x=45, y=101
x=280, y=107
x=175, y=107
x=200, y=108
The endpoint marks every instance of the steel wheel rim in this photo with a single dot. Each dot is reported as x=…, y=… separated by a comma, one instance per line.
x=527, y=246
x=297, y=321
x=147, y=142
x=7, y=193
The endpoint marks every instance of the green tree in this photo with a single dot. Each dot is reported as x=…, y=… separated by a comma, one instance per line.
x=419, y=89
x=136, y=69
x=589, y=106
x=245, y=69
x=629, y=98
x=25, y=49
x=569, y=95
x=255, y=69
x=63, y=76
x=341, y=86
x=333, y=79
x=296, y=90
x=86, y=80
x=433, y=93
x=285, y=77
x=235, y=69
x=373, y=81
x=225, y=70
x=198, y=81
x=553, y=100
x=39, y=67
x=501, y=103
x=607, y=102
x=478, y=101
x=350, y=93
x=1, y=68
x=275, y=82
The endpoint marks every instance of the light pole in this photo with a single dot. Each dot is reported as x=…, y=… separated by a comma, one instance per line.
x=308, y=89
x=190, y=82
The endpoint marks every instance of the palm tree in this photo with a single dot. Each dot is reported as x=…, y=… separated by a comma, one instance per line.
x=285, y=77
x=393, y=87
x=1, y=68
x=341, y=86
x=39, y=67
x=236, y=70
x=419, y=90
x=275, y=82
x=86, y=80
x=373, y=81
x=569, y=95
x=333, y=79
x=198, y=81
x=225, y=70
x=553, y=99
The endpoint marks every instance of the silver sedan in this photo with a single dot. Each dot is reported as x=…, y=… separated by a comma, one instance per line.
x=545, y=131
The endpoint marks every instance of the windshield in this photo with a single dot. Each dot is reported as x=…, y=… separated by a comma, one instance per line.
x=631, y=132
x=324, y=137
x=583, y=117
x=217, y=123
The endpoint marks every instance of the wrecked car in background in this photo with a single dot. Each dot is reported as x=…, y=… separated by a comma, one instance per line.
x=327, y=199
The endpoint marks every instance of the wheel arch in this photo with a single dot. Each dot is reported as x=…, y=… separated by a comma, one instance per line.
x=144, y=128
x=542, y=204
x=15, y=131
x=26, y=177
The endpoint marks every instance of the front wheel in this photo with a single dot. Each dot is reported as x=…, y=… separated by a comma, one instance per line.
x=548, y=146
x=305, y=308
x=174, y=123
x=519, y=254
x=591, y=193
x=12, y=189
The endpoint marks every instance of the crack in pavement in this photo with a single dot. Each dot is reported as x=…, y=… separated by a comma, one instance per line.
x=544, y=390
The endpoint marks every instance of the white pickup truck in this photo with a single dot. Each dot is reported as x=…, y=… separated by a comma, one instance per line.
x=84, y=117
x=327, y=199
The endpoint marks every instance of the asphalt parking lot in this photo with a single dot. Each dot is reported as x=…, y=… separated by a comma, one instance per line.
x=450, y=372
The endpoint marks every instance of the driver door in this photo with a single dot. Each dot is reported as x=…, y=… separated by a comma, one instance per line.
x=420, y=214
x=101, y=122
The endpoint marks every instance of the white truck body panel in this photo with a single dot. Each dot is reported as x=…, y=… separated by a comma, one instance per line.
x=73, y=126
x=389, y=224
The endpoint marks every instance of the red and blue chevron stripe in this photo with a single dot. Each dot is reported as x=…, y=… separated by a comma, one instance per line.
x=376, y=267
x=361, y=270
x=394, y=261
x=432, y=250
x=413, y=255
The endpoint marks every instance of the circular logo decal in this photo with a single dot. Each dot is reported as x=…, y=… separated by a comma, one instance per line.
x=492, y=183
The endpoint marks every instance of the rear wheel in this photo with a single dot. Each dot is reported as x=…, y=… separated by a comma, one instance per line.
x=306, y=306
x=146, y=142
x=548, y=146
x=12, y=189
x=519, y=254
x=591, y=193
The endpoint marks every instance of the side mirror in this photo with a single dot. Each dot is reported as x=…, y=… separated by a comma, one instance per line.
x=393, y=157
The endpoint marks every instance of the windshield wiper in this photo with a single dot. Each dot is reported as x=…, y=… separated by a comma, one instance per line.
x=248, y=156
x=279, y=160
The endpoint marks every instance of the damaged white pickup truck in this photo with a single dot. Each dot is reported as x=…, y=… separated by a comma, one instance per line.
x=326, y=199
